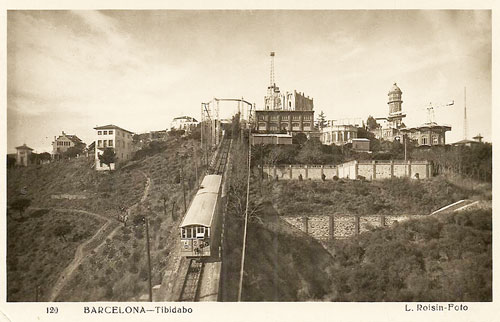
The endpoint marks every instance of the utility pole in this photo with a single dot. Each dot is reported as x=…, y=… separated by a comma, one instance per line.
x=196, y=166
x=183, y=189
x=465, y=113
x=242, y=268
x=404, y=140
x=149, y=261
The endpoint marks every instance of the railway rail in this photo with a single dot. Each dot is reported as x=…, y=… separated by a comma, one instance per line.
x=194, y=273
x=221, y=159
x=190, y=287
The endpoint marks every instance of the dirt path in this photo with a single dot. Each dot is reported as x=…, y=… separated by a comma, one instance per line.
x=81, y=252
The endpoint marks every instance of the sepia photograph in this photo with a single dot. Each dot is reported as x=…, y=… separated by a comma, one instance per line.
x=249, y=156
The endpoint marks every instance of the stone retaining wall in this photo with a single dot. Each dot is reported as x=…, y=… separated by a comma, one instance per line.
x=369, y=170
x=67, y=196
x=340, y=226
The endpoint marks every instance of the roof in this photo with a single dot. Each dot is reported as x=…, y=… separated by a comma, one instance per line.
x=272, y=134
x=202, y=208
x=191, y=119
x=111, y=126
x=427, y=126
x=395, y=88
x=24, y=147
x=75, y=139
x=465, y=142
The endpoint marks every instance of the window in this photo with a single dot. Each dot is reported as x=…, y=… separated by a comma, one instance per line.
x=105, y=132
x=110, y=142
x=424, y=141
x=296, y=117
x=307, y=124
x=183, y=232
x=435, y=140
x=99, y=132
x=274, y=117
x=307, y=117
x=189, y=233
x=261, y=117
x=99, y=143
x=105, y=142
x=284, y=118
x=110, y=132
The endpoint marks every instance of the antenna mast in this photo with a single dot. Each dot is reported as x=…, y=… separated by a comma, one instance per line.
x=272, y=69
x=465, y=113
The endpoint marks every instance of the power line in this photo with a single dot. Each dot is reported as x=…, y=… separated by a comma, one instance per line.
x=246, y=220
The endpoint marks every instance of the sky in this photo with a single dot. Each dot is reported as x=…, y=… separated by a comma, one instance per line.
x=73, y=70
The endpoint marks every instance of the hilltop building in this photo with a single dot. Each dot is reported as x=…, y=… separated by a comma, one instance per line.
x=116, y=138
x=290, y=112
x=23, y=155
x=428, y=134
x=477, y=140
x=339, y=132
x=393, y=122
x=65, y=141
x=392, y=127
x=186, y=123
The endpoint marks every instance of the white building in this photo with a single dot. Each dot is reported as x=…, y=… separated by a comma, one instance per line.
x=116, y=138
x=185, y=123
x=339, y=132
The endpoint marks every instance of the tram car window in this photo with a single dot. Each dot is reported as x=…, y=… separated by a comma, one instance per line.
x=200, y=228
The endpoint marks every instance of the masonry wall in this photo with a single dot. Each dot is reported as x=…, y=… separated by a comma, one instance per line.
x=370, y=170
x=340, y=226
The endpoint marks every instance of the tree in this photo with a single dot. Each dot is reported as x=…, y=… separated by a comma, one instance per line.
x=72, y=152
x=62, y=230
x=11, y=162
x=312, y=153
x=371, y=123
x=45, y=156
x=299, y=138
x=321, y=120
x=21, y=205
x=108, y=157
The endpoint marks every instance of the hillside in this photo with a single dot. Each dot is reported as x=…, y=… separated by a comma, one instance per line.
x=390, y=196
x=444, y=258
x=430, y=258
x=112, y=263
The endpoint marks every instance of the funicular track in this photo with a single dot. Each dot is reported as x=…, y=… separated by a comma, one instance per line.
x=191, y=284
x=190, y=287
x=220, y=165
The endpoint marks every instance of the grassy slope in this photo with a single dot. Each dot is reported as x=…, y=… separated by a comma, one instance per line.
x=396, y=196
x=118, y=270
x=445, y=258
x=35, y=255
x=106, y=192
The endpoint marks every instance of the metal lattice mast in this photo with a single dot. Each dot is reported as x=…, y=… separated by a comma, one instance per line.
x=465, y=114
x=272, y=82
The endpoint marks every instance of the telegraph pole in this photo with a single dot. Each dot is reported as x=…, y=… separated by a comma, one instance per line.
x=242, y=268
x=183, y=189
x=149, y=261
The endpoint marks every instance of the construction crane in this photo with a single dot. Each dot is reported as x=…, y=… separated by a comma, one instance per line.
x=430, y=111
